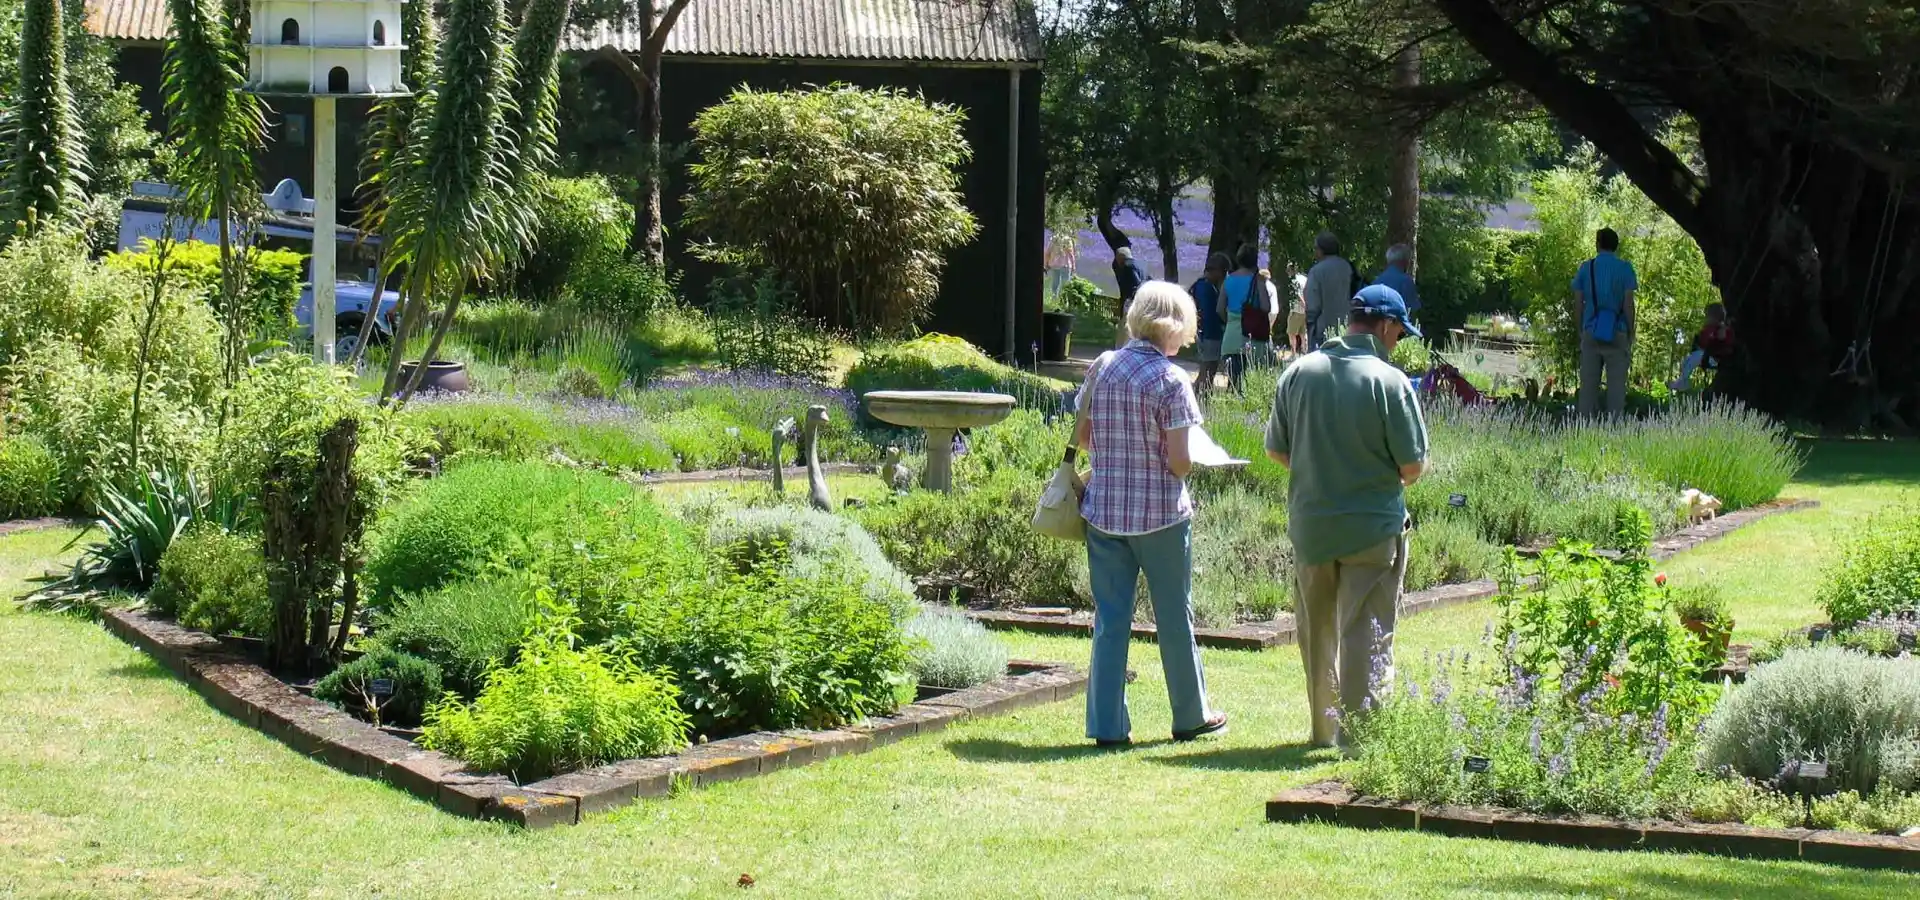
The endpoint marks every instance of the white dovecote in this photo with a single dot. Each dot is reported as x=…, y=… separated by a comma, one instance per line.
x=334, y=48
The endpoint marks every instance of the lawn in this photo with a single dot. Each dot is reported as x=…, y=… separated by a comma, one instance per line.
x=120, y=782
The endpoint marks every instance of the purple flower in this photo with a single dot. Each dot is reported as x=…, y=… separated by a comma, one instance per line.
x=1333, y=712
x=1533, y=739
x=1557, y=767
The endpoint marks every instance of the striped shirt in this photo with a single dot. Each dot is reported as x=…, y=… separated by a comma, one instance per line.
x=1135, y=395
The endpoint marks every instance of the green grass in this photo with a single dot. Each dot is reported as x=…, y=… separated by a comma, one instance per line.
x=120, y=782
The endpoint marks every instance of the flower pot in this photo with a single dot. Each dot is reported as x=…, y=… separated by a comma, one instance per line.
x=442, y=375
x=1056, y=336
x=1713, y=636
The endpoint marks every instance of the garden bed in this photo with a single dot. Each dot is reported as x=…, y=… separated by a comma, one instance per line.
x=251, y=694
x=1280, y=631
x=1332, y=802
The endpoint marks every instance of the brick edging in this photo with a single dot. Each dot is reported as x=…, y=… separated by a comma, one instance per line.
x=1279, y=632
x=239, y=688
x=1332, y=802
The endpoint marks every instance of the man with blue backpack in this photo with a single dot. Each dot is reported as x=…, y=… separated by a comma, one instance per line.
x=1603, y=292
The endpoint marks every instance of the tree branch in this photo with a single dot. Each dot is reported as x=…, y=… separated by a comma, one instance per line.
x=1591, y=110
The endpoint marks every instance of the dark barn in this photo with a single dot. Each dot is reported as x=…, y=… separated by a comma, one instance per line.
x=982, y=56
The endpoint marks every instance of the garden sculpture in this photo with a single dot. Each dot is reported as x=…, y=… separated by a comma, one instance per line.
x=1700, y=506
x=896, y=474
x=782, y=433
x=810, y=444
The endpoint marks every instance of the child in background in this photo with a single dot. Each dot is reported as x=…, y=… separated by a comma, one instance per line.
x=1712, y=346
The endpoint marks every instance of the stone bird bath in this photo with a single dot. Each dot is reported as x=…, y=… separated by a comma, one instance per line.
x=940, y=413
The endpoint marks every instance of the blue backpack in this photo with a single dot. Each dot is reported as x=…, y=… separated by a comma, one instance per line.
x=1606, y=319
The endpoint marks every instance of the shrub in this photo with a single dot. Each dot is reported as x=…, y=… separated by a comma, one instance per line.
x=1551, y=747
x=274, y=279
x=215, y=581
x=1242, y=560
x=1878, y=571
x=866, y=252
x=937, y=362
x=410, y=684
x=138, y=526
x=1593, y=621
x=453, y=525
x=319, y=463
x=579, y=225
x=32, y=483
x=953, y=651
x=980, y=536
x=69, y=342
x=768, y=651
x=463, y=627
x=559, y=707
x=598, y=434
x=1703, y=603
x=630, y=291
x=1447, y=550
x=756, y=402
x=1025, y=443
x=1858, y=714
x=755, y=328
x=809, y=543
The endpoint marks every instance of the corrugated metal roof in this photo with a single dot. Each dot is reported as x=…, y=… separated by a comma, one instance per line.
x=129, y=20
x=964, y=31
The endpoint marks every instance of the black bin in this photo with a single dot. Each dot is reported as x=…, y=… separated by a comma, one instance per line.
x=1056, y=336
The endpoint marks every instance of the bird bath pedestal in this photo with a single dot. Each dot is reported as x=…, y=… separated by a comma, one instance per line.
x=941, y=413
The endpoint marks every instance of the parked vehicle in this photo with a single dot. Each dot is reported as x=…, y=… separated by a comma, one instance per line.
x=288, y=225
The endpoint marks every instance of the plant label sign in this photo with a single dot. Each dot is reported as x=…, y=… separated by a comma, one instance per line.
x=1813, y=771
x=381, y=687
x=1457, y=501
x=1905, y=640
x=1478, y=765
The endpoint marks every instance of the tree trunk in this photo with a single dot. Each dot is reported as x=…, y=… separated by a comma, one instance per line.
x=648, y=238
x=1163, y=227
x=1236, y=212
x=1403, y=202
x=1103, y=209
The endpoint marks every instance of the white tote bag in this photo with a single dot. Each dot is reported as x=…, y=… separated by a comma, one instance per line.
x=1059, y=512
x=1059, y=515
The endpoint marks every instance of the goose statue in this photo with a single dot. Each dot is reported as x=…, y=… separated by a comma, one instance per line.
x=897, y=475
x=810, y=444
x=782, y=433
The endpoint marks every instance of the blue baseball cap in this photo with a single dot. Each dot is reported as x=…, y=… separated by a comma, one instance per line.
x=1381, y=300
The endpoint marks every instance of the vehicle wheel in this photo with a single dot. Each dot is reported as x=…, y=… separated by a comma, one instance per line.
x=346, y=336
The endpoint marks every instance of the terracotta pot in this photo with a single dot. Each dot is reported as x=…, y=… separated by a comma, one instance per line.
x=446, y=377
x=1712, y=637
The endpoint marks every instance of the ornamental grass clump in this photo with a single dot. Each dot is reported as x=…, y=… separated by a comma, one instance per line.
x=1879, y=569
x=559, y=707
x=1858, y=714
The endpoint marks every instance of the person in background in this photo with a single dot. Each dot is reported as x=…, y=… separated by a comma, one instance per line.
x=1347, y=424
x=1396, y=276
x=1329, y=290
x=1129, y=275
x=1711, y=347
x=1297, y=310
x=1061, y=258
x=1260, y=352
x=1234, y=293
x=1213, y=323
x=1603, y=290
x=1136, y=407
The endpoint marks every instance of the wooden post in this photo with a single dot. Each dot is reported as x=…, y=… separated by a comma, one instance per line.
x=1013, y=213
x=325, y=237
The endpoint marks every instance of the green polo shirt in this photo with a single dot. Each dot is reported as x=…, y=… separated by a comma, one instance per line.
x=1347, y=420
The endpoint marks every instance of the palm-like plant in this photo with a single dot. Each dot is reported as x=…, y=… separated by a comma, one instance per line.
x=216, y=129
x=393, y=124
x=455, y=196
x=448, y=213
x=46, y=177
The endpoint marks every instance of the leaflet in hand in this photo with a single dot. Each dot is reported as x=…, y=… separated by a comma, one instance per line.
x=1204, y=452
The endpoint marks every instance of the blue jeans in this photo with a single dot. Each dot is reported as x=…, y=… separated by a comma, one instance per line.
x=1115, y=563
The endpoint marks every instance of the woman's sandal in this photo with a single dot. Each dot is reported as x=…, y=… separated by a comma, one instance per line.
x=1215, y=724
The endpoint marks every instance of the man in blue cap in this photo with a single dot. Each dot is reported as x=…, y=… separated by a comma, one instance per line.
x=1348, y=425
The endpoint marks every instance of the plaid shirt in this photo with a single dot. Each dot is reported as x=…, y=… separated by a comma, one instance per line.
x=1136, y=395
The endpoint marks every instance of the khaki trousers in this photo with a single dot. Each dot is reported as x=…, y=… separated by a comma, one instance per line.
x=1344, y=613
x=1612, y=359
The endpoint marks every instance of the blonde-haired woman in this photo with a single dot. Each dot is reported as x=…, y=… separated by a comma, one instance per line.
x=1134, y=413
